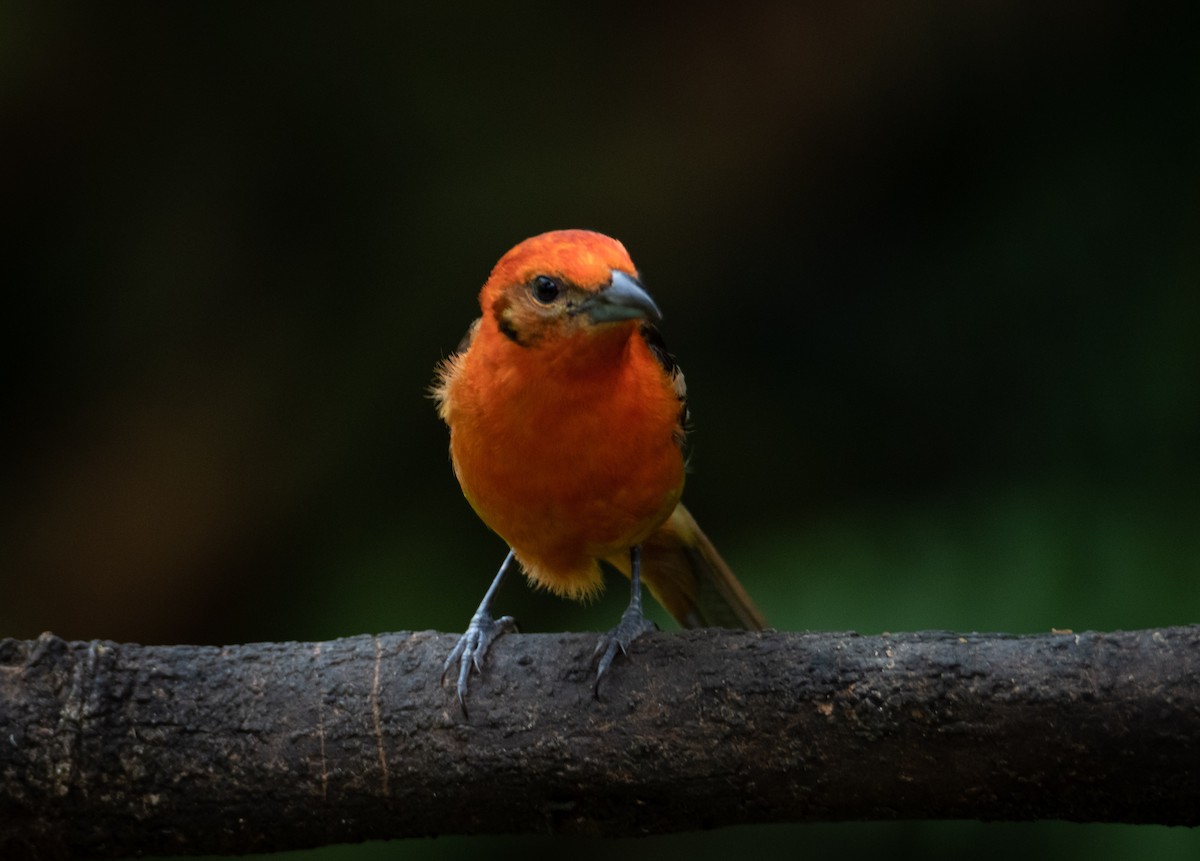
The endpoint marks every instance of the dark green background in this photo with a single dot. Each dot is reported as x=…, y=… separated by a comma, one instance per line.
x=933, y=273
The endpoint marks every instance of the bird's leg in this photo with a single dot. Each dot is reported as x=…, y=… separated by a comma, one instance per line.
x=472, y=647
x=632, y=625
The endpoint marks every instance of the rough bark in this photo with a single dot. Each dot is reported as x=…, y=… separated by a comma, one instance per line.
x=109, y=750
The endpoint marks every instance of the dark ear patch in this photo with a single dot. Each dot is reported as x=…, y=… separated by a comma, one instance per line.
x=503, y=321
x=508, y=330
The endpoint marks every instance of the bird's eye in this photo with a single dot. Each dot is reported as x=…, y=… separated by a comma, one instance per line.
x=546, y=289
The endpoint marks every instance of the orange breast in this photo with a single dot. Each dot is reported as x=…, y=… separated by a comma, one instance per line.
x=567, y=451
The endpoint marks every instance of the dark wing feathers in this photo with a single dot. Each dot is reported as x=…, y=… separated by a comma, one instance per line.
x=465, y=343
x=658, y=348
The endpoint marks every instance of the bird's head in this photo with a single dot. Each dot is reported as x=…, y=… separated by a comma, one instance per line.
x=564, y=283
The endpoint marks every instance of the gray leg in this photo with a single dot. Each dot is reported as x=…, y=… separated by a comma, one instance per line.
x=632, y=625
x=472, y=647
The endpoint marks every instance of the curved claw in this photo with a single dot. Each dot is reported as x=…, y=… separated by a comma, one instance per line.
x=633, y=624
x=472, y=648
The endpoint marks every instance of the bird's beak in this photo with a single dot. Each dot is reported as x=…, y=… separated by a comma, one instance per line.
x=623, y=299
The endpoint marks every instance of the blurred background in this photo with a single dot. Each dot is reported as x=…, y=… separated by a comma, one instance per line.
x=932, y=270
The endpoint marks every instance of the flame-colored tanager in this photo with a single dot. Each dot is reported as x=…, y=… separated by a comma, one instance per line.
x=567, y=420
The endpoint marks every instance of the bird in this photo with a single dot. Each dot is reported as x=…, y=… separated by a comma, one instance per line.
x=568, y=422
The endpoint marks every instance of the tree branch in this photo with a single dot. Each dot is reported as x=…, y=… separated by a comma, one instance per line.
x=109, y=750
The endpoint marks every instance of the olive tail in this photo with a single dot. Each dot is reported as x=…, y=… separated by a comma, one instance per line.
x=685, y=573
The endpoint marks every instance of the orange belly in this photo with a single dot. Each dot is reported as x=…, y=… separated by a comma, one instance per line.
x=569, y=469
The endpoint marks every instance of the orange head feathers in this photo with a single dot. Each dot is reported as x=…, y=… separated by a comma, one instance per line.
x=563, y=283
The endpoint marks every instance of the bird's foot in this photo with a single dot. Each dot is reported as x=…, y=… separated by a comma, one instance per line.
x=472, y=648
x=633, y=624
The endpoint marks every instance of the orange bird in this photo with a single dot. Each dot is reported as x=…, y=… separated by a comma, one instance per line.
x=567, y=423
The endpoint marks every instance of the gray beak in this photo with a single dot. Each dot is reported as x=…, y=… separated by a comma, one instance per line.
x=623, y=299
